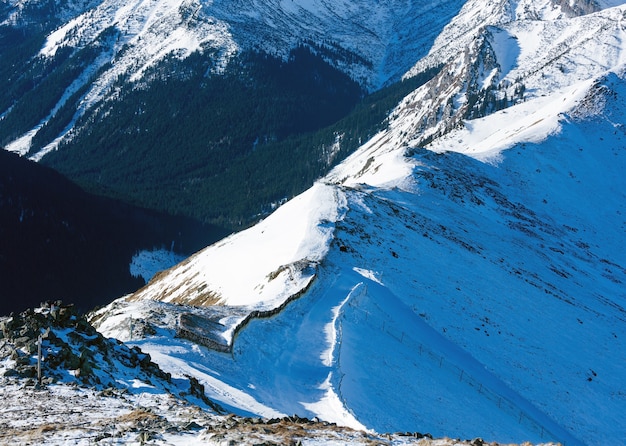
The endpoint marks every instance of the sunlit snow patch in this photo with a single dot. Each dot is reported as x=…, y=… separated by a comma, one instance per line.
x=531, y=122
x=146, y=264
x=331, y=407
x=368, y=274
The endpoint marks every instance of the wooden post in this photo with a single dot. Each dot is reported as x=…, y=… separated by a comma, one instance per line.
x=39, y=359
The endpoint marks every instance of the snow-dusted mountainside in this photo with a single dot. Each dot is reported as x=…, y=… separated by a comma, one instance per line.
x=142, y=100
x=460, y=276
x=513, y=56
x=462, y=273
x=445, y=294
x=376, y=42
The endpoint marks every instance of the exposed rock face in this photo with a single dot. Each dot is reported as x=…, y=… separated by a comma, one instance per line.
x=577, y=7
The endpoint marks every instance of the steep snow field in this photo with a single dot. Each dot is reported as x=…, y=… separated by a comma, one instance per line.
x=466, y=285
x=285, y=249
x=463, y=298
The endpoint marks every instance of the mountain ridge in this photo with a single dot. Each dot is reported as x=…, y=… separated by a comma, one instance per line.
x=544, y=262
x=486, y=254
x=461, y=272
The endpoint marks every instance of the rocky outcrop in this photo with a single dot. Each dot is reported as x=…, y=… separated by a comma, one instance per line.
x=55, y=343
x=577, y=7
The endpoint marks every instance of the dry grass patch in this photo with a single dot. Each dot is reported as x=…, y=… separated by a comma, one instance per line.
x=138, y=416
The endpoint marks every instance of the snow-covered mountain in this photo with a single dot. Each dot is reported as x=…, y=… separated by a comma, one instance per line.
x=94, y=82
x=375, y=42
x=461, y=298
x=462, y=273
x=461, y=276
x=93, y=85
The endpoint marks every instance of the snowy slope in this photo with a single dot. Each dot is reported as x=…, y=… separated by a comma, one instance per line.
x=383, y=34
x=461, y=274
x=97, y=390
x=458, y=276
x=457, y=297
x=503, y=62
x=521, y=264
x=288, y=246
x=476, y=15
x=389, y=36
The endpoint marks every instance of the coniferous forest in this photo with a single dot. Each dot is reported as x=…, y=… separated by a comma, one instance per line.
x=177, y=160
x=220, y=148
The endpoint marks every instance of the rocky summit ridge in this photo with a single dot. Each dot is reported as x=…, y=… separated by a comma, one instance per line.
x=94, y=390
